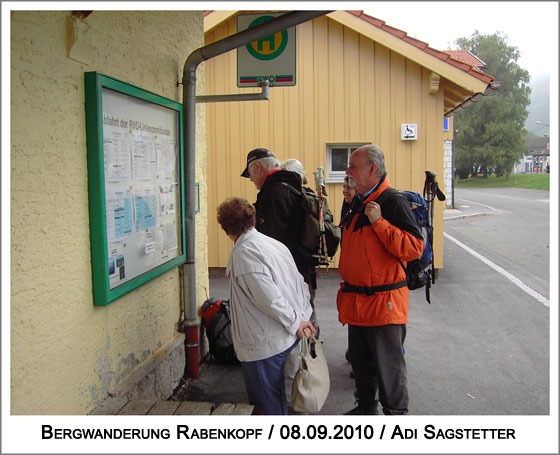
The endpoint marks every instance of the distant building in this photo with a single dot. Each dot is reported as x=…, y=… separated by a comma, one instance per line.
x=467, y=57
x=537, y=159
x=523, y=165
x=540, y=156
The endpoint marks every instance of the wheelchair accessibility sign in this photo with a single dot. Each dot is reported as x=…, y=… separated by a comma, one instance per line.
x=272, y=58
x=409, y=131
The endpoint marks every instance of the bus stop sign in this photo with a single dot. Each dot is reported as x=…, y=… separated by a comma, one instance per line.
x=272, y=58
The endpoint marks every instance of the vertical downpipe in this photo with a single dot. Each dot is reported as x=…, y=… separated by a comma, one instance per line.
x=192, y=323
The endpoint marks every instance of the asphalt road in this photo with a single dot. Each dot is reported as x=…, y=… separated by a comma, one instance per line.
x=483, y=346
x=515, y=233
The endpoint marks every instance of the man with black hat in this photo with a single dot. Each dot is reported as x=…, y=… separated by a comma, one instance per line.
x=278, y=209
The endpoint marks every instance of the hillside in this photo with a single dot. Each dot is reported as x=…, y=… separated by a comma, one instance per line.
x=539, y=109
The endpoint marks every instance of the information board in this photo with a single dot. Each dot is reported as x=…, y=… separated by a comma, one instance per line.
x=134, y=142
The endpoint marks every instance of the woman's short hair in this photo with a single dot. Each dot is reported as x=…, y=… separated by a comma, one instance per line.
x=236, y=216
x=294, y=165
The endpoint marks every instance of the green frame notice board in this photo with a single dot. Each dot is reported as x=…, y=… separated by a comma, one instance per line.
x=135, y=171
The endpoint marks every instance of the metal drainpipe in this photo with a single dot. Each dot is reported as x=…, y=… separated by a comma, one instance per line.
x=264, y=95
x=192, y=323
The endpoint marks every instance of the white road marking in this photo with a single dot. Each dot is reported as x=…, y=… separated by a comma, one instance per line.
x=470, y=215
x=509, y=197
x=483, y=205
x=542, y=299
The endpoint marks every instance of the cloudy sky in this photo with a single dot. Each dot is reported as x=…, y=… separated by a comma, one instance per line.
x=532, y=27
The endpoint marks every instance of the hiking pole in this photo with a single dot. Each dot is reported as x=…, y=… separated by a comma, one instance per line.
x=321, y=190
x=429, y=196
x=431, y=191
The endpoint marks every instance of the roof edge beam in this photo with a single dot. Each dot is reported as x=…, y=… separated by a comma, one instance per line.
x=444, y=69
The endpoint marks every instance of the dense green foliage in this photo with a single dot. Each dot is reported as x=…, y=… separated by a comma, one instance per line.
x=531, y=181
x=490, y=131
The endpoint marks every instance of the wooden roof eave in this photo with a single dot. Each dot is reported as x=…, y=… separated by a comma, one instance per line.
x=453, y=95
x=449, y=111
x=215, y=18
x=450, y=72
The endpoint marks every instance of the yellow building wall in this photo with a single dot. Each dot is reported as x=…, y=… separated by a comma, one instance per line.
x=349, y=89
x=65, y=352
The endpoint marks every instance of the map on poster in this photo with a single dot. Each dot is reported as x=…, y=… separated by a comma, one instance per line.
x=118, y=206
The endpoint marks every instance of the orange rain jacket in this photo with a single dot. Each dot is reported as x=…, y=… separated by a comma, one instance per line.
x=370, y=258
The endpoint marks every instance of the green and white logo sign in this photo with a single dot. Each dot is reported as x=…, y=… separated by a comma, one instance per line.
x=272, y=57
x=270, y=47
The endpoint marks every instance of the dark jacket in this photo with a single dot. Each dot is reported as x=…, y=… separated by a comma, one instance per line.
x=344, y=212
x=375, y=255
x=278, y=213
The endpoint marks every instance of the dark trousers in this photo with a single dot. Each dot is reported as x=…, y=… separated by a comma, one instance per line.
x=264, y=383
x=378, y=363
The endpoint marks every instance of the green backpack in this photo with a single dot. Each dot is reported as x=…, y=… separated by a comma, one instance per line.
x=310, y=233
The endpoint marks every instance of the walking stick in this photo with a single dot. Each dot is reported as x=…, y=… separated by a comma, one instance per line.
x=321, y=190
x=431, y=191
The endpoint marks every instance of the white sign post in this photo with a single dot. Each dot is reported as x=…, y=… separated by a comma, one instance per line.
x=272, y=58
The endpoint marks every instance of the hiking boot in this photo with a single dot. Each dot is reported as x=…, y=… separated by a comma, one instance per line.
x=363, y=409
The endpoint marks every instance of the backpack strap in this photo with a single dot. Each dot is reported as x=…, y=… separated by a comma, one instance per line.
x=383, y=197
x=371, y=290
x=291, y=188
x=224, y=308
x=361, y=205
x=226, y=325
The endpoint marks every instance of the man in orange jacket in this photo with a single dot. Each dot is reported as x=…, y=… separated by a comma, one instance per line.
x=377, y=241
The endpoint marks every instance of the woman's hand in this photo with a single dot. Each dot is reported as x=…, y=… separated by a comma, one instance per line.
x=305, y=328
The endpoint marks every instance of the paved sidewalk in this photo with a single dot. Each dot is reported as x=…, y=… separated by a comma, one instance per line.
x=222, y=383
x=462, y=359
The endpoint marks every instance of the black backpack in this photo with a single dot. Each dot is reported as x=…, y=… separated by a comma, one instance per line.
x=310, y=232
x=217, y=322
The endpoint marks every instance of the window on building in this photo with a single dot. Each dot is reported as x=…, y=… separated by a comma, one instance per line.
x=337, y=160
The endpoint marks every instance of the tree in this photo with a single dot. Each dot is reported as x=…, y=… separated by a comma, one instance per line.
x=490, y=131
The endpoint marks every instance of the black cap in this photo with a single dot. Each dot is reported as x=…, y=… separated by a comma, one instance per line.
x=254, y=155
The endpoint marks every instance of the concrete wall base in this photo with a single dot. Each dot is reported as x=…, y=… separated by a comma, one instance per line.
x=157, y=377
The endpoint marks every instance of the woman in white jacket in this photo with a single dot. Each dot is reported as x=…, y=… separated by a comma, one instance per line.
x=270, y=306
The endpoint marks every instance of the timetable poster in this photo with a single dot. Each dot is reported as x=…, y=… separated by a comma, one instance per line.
x=140, y=162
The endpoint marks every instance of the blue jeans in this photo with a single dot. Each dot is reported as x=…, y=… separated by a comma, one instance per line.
x=264, y=382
